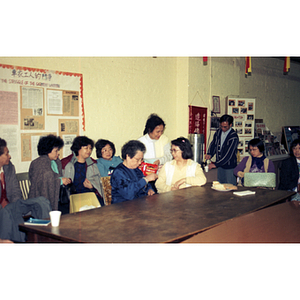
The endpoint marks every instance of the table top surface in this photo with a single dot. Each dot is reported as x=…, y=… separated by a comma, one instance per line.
x=161, y=218
x=276, y=224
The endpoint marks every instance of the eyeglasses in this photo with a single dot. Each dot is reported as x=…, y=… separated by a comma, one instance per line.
x=138, y=160
x=174, y=150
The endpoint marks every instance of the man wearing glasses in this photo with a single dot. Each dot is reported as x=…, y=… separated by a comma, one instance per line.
x=224, y=146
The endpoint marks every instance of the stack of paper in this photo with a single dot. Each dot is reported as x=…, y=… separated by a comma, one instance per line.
x=244, y=193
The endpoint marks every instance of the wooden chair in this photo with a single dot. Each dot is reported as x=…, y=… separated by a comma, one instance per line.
x=106, y=189
x=77, y=201
x=24, y=183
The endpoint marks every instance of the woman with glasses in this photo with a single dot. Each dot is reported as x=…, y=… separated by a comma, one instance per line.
x=182, y=171
x=128, y=181
x=256, y=162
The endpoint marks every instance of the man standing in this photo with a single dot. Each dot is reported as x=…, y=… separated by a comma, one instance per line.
x=9, y=186
x=224, y=146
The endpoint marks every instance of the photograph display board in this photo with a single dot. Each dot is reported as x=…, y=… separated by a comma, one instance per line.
x=34, y=103
x=289, y=133
x=243, y=112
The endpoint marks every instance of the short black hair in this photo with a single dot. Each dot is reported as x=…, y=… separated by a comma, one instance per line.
x=79, y=142
x=226, y=118
x=153, y=121
x=185, y=146
x=101, y=144
x=131, y=148
x=48, y=143
x=257, y=143
x=294, y=143
x=2, y=146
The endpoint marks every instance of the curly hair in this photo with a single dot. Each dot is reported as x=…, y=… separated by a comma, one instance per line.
x=153, y=121
x=79, y=142
x=131, y=148
x=2, y=146
x=185, y=146
x=48, y=143
x=101, y=144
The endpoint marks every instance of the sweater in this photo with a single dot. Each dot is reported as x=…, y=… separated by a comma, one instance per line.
x=246, y=165
x=289, y=174
x=169, y=174
x=92, y=171
x=106, y=167
x=225, y=156
x=13, y=191
x=44, y=181
x=156, y=149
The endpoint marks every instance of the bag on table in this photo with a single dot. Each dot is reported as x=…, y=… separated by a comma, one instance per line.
x=260, y=180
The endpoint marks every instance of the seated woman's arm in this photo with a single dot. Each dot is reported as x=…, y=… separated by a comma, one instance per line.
x=239, y=169
x=271, y=167
x=199, y=179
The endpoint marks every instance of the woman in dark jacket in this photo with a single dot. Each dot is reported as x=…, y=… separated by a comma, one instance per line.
x=290, y=170
x=45, y=172
x=127, y=180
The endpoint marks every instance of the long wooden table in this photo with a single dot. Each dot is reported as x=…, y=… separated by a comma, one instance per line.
x=162, y=218
x=276, y=224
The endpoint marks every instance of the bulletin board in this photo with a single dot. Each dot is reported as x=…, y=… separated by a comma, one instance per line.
x=243, y=112
x=37, y=102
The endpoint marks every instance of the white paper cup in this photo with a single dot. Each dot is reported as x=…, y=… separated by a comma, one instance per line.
x=206, y=168
x=55, y=217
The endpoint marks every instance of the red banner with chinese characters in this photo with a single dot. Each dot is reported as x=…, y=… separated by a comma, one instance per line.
x=248, y=68
x=198, y=121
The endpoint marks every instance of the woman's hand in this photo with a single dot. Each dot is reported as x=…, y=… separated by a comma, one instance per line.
x=151, y=192
x=87, y=184
x=156, y=162
x=151, y=177
x=66, y=181
x=240, y=174
x=178, y=183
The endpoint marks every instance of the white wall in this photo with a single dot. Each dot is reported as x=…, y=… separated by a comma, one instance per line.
x=120, y=92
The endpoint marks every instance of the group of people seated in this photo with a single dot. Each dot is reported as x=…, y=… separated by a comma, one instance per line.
x=81, y=173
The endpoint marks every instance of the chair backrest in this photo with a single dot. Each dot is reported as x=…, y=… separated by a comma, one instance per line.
x=77, y=201
x=106, y=189
x=24, y=183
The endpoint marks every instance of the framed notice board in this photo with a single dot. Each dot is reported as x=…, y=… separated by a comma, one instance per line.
x=37, y=102
x=289, y=133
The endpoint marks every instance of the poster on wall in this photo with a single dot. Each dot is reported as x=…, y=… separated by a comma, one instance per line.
x=32, y=108
x=32, y=101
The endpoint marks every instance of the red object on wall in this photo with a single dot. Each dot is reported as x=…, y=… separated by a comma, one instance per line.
x=198, y=121
x=287, y=65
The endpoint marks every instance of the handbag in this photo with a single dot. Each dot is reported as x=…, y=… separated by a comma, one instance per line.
x=64, y=194
x=260, y=179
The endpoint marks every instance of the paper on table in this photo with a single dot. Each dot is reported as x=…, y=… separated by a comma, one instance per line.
x=244, y=193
